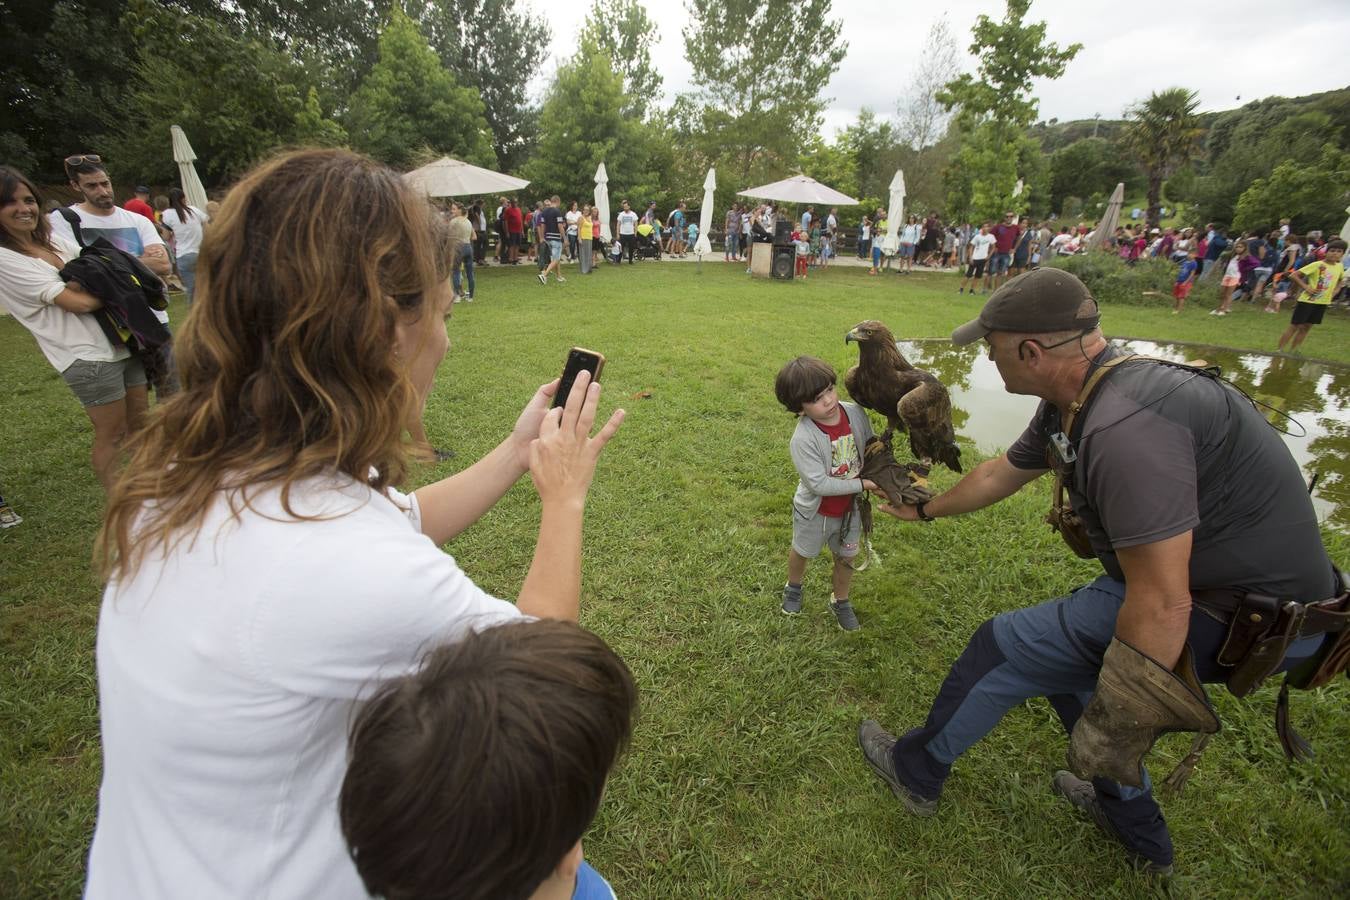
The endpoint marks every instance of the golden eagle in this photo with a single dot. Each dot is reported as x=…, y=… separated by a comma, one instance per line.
x=911, y=399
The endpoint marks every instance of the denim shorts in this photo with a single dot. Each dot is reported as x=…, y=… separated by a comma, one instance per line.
x=998, y=263
x=96, y=383
x=906, y=251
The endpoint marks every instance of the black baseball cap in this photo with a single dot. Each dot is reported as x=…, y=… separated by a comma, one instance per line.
x=142, y=189
x=1035, y=302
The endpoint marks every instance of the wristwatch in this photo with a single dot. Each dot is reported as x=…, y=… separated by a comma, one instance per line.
x=923, y=516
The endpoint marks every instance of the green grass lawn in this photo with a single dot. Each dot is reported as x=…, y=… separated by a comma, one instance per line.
x=743, y=779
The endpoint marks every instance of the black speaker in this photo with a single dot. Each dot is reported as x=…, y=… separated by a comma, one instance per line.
x=784, y=262
x=782, y=231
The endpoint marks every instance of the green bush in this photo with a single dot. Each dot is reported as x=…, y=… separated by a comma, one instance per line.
x=1147, y=282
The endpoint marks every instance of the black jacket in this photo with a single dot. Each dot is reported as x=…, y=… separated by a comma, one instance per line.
x=130, y=292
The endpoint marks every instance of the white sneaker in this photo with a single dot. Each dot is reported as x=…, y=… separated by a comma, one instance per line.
x=8, y=517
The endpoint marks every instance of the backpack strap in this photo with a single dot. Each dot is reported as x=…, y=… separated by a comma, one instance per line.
x=73, y=219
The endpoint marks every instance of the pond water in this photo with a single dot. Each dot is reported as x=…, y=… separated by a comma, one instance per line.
x=1315, y=395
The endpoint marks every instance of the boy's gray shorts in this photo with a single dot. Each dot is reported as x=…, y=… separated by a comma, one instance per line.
x=811, y=533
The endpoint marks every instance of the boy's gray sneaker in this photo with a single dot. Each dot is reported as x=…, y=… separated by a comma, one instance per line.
x=843, y=612
x=1084, y=796
x=792, y=600
x=876, y=743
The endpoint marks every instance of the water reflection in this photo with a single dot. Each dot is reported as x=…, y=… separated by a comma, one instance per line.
x=1317, y=396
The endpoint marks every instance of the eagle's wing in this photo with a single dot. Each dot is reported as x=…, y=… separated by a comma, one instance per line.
x=927, y=413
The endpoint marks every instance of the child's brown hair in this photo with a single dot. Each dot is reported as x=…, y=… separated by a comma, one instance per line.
x=801, y=381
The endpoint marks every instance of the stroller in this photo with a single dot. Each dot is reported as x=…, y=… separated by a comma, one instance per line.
x=648, y=244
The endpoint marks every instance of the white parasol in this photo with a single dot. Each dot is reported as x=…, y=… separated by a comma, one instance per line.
x=705, y=215
x=448, y=177
x=187, y=172
x=1345, y=229
x=602, y=201
x=800, y=189
x=1106, y=228
x=890, y=242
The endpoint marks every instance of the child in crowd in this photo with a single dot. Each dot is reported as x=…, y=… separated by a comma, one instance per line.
x=476, y=776
x=980, y=245
x=801, y=236
x=1185, y=281
x=691, y=232
x=826, y=449
x=879, y=226
x=1239, y=264
x=1318, y=281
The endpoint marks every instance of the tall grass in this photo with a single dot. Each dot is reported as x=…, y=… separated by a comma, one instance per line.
x=744, y=779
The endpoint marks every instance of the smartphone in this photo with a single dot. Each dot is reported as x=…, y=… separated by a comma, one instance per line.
x=579, y=360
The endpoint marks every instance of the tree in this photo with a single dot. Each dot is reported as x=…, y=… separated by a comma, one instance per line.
x=623, y=32
x=748, y=124
x=582, y=124
x=1087, y=167
x=924, y=118
x=1163, y=136
x=236, y=95
x=874, y=144
x=63, y=66
x=1312, y=196
x=409, y=100
x=995, y=107
x=494, y=47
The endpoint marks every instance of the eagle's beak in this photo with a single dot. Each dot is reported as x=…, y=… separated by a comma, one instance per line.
x=852, y=336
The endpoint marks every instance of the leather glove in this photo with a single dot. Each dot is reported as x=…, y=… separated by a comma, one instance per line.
x=899, y=483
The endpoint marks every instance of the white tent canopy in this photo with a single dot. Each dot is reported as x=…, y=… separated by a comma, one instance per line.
x=602, y=201
x=187, y=172
x=895, y=212
x=1106, y=228
x=448, y=177
x=799, y=189
x=705, y=215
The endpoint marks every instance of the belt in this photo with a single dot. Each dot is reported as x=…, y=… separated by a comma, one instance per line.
x=1322, y=617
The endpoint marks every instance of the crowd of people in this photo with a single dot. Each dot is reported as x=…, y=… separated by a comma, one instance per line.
x=302, y=695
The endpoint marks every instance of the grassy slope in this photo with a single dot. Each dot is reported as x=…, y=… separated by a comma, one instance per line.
x=743, y=780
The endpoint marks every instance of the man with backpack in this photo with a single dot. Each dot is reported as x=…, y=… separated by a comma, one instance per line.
x=98, y=216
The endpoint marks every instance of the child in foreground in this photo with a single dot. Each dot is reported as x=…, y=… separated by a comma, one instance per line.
x=477, y=776
x=826, y=449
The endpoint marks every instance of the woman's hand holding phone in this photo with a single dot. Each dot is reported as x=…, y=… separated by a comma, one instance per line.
x=564, y=454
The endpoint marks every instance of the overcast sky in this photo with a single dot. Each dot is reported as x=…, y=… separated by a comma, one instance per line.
x=1251, y=50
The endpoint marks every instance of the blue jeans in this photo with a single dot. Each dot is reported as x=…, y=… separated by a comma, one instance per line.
x=464, y=257
x=1055, y=651
x=187, y=271
x=998, y=263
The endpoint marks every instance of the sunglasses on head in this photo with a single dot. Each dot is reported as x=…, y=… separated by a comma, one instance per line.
x=83, y=158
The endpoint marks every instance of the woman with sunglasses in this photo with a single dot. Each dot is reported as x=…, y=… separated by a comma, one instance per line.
x=108, y=381
x=264, y=573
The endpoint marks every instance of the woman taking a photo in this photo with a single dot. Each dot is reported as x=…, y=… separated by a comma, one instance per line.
x=264, y=574
x=108, y=381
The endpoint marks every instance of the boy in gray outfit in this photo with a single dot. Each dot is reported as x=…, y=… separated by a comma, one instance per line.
x=826, y=448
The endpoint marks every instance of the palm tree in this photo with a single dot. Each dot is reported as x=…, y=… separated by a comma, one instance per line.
x=1163, y=135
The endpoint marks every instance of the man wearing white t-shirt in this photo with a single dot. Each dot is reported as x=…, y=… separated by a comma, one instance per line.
x=627, y=229
x=100, y=217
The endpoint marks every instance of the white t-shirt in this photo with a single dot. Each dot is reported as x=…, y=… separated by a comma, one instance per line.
x=627, y=222
x=1232, y=271
x=831, y=223
x=27, y=288
x=127, y=231
x=1060, y=242
x=910, y=234
x=979, y=246
x=572, y=217
x=187, y=236
x=229, y=674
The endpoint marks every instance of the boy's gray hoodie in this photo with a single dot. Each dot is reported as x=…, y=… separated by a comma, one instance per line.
x=810, y=449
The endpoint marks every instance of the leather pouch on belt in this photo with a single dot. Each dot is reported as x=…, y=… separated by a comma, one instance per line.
x=1265, y=653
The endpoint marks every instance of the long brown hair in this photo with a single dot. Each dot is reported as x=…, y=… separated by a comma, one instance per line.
x=11, y=180
x=288, y=362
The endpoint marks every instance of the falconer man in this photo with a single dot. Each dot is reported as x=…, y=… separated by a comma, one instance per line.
x=1214, y=566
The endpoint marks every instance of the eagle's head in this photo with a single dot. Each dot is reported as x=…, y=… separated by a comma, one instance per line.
x=870, y=331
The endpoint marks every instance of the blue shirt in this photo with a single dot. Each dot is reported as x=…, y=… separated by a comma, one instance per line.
x=1217, y=245
x=591, y=885
x=1187, y=269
